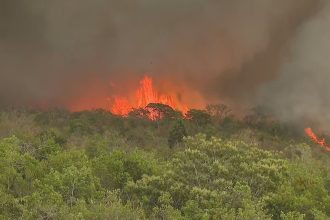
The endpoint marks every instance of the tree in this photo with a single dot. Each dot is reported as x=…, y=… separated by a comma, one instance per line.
x=45, y=203
x=218, y=111
x=47, y=143
x=259, y=116
x=159, y=111
x=176, y=134
x=109, y=168
x=73, y=184
x=302, y=193
x=138, y=113
x=10, y=208
x=213, y=179
x=115, y=169
x=198, y=117
x=122, y=167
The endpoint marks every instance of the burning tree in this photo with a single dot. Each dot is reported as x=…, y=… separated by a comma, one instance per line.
x=149, y=98
x=157, y=111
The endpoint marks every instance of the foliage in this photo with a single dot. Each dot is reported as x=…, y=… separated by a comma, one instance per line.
x=213, y=178
x=177, y=133
x=198, y=117
x=158, y=111
x=218, y=111
x=94, y=165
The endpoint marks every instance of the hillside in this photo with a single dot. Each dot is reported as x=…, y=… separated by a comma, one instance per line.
x=207, y=165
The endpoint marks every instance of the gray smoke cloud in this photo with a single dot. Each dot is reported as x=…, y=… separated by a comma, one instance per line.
x=301, y=92
x=225, y=49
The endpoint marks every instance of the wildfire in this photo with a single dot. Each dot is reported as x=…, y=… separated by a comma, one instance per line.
x=316, y=139
x=145, y=95
x=121, y=106
x=121, y=99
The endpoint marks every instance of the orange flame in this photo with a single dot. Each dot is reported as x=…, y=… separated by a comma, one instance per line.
x=316, y=139
x=121, y=106
x=145, y=95
x=96, y=94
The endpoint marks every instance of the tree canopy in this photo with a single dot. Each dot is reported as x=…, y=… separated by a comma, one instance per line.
x=95, y=165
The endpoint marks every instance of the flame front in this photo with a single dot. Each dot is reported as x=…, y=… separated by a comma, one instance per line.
x=316, y=139
x=121, y=106
x=145, y=95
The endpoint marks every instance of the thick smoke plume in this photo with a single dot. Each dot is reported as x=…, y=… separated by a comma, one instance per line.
x=301, y=92
x=234, y=51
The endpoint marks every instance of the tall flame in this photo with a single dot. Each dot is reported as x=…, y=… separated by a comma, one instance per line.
x=121, y=106
x=316, y=139
x=145, y=95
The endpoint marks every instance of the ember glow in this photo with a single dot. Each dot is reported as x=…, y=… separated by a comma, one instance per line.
x=316, y=139
x=145, y=95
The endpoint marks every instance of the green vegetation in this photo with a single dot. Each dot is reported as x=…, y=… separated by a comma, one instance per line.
x=207, y=165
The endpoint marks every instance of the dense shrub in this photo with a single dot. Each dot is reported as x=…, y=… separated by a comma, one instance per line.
x=94, y=165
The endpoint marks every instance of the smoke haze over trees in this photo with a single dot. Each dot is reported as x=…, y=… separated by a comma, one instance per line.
x=268, y=52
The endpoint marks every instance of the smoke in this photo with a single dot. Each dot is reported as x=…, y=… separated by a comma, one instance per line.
x=235, y=51
x=301, y=92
